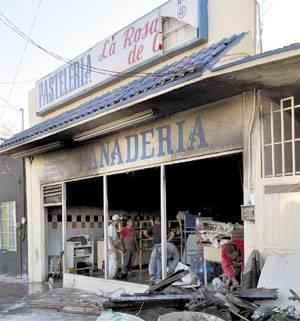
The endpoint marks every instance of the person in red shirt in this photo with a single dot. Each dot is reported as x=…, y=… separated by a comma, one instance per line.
x=232, y=255
x=129, y=244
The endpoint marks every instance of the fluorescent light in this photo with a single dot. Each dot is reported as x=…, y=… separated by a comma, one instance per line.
x=115, y=125
x=38, y=150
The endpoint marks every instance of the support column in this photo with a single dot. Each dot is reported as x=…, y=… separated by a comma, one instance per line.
x=163, y=218
x=105, y=219
x=64, y=224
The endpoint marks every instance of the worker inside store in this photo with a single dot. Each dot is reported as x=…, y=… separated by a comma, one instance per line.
x=134, y=234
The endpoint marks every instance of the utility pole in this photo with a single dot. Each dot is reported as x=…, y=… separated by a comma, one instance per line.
x=22, y=118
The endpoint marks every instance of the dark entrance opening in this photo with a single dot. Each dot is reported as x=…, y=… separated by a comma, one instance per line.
x=84, y=253
x=213, y=187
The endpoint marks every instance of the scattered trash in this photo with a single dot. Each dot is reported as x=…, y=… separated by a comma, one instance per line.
x=190, y=279
x=219, y=303
x=133, y=302
x=294, y=297
x=218, y=284
x=163, y=284
x=188, y=316
x=262, y=313
x=109, y=315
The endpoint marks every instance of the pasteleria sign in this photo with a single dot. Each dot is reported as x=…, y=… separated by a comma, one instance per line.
x=127, y=49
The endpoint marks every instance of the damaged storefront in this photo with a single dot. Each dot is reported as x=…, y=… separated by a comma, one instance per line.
x=181, y=154
x=195, y=146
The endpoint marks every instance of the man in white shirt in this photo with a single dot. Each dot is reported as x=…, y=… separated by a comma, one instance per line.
x=113, y=245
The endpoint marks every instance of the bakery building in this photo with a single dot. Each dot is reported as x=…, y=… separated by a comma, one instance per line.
x=176, y=116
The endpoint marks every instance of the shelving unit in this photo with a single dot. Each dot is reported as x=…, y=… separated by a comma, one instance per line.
x=77, y=253
x=145, y=244
x=175, y=226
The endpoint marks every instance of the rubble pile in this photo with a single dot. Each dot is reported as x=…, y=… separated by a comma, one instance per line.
x=228, y=305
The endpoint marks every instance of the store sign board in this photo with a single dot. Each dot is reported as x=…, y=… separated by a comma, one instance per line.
x=129, y=48
x=185, y=135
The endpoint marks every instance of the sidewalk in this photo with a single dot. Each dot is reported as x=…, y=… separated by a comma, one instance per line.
x=21, y=301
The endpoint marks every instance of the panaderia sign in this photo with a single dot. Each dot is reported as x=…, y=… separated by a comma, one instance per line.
x=129, y=48
x=185, y=135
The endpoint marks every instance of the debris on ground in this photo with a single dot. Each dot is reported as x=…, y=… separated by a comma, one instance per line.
x=163, y=284
x=109, y=315
x=188, y=316
x=228, y=305
x=68, y=301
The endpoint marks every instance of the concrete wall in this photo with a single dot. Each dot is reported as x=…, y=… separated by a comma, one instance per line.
x=12, y=188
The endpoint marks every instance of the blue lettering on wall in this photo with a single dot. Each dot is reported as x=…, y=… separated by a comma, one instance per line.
x=180, y=148
x=164, y=139
x=147, y=144
x=104, y=152
x=66, y=80
x=116, y=154
x=147, y=137
x=197, y=136
x=135, y=142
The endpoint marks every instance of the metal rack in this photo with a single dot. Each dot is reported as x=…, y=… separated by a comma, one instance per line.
x=76, y=252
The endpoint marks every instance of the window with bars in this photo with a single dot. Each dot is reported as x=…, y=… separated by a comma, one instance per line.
x=8, y=235
x=281, y=137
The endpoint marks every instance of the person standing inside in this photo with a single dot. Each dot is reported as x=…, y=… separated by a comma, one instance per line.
x=129, y=245
x=113, y=246
x=154, y=232
x=232, y=256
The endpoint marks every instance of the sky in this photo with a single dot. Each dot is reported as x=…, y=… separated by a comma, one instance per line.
x=69, y=27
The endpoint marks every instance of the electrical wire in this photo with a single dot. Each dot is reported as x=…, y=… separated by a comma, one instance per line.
x=9, y=83
x=24, y=50
x=102, y=71
x=8, y=104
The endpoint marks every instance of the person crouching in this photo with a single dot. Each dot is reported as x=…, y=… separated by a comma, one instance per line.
x=155, y=271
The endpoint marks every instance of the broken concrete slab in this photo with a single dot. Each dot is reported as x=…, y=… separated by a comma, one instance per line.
x=81, y=282
x=282, y=271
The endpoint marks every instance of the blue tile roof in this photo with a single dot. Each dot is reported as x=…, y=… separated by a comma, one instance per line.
x=169, y=75
x=258, y=56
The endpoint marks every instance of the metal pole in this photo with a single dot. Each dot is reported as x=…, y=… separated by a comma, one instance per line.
x=163, y=217
x=64, y=222
x=105, y=216
x=22, y=118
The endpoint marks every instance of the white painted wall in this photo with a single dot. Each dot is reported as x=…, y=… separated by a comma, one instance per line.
x=277, y=219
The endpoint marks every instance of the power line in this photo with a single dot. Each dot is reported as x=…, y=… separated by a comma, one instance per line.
x=9, y=105
x=102, y=71
x=9, y=83
x=24, y=50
